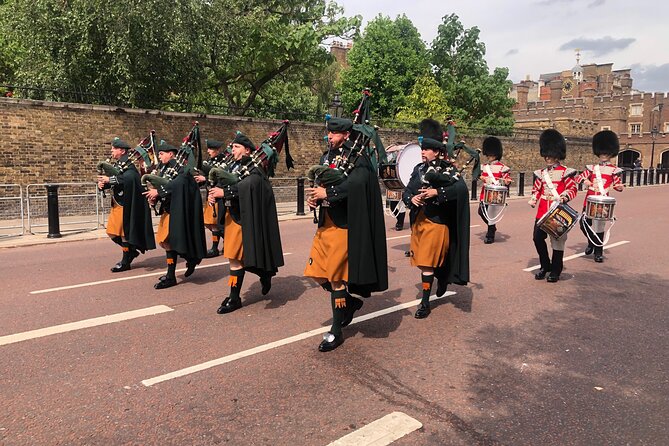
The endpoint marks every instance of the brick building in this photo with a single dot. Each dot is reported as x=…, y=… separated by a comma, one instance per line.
x=593, y=97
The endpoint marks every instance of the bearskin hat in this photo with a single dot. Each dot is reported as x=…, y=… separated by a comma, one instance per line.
x=552, y=144
x=492, y=147
x=605, y=143
x=429, y=128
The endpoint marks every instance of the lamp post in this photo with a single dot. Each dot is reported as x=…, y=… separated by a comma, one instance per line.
x=336, y=108
x=653, y=135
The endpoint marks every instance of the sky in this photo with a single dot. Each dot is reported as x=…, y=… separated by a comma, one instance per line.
x=532, y=37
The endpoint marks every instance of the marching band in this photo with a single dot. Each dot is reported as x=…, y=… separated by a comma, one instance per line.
x=348, y=254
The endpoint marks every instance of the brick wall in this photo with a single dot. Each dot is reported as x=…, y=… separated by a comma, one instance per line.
x=61, y=142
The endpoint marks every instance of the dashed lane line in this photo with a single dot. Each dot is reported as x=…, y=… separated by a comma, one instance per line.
x=381, y=432
x=581, y=254
x=281, y=342
x=409, y=235
x=87, y=323
x=121, y=279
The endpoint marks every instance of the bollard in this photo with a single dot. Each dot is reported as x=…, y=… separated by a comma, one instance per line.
x=657, y=175
x=638, y=177
x=645, y=177
x=631, y=183
x=664, y=176
x=651, y=176
x=300, y=196
x=52, y=207
x=473, y=194
x=624, y=177
x=521, y=184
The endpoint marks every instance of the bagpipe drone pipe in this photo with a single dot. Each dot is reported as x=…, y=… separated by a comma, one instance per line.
x=143, y=156
x=265, y=157
x=365, y=142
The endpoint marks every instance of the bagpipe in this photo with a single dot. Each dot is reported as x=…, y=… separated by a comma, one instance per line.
x=365, y=142
x=143, y=157
x=185, y=160
x=265, y=157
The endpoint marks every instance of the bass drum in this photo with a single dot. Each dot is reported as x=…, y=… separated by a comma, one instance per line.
x=402, y=158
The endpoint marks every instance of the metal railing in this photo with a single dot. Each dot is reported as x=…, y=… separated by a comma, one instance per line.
x=36, y=206
x=6, y=200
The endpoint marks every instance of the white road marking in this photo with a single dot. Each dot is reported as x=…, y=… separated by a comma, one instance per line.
x=87, y=323
x=121, y=279
x=381, y=432
x=581, y=254
x=279, y=343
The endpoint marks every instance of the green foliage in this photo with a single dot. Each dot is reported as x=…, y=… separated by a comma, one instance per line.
x=253, y=46
x=478, y=99
x=387, y=59
x=427, y=100
x=126, y=51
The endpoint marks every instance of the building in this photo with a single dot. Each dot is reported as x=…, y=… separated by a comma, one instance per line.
x=593, y=97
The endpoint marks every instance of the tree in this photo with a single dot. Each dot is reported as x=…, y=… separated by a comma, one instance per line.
x=126, y=51
x=478, y=99
x=255, y=46
x=427, y=100
x=387, y=59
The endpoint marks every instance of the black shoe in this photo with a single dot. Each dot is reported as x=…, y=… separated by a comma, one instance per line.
x=120, y=266
x=552, y=278
x=266, y=282
x=162, y=284
x=399, y=226
x=353, y=305
x=330, y=342
x=599, y=258
x=407, y=253
x=229, y=305
x=442, y=285
x=190, y=269
x=541, y=275
x=488, y=240
x=213, y=252
x=423, y=311
x=589, y=249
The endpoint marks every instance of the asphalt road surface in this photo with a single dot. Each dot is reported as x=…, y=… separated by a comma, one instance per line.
x=91, y=357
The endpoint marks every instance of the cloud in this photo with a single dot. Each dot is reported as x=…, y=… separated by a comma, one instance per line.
x=650, y=78
x=594, y=4
x=598, y=47
x=511, y=52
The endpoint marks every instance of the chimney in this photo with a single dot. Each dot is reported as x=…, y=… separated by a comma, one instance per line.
x=556, y=89
x=522, y=91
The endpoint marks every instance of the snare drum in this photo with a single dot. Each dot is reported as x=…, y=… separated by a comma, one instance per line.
x=599, y=207
x=402, y=158
x=495, y=194
x=559, y=220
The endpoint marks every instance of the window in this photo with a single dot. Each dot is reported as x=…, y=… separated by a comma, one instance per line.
x=636, y=109
x=635, y=129
x=665, y=127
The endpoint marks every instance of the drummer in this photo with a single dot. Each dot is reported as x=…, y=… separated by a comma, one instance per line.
x=554, y=183
x=493, y=172
x=600, y=179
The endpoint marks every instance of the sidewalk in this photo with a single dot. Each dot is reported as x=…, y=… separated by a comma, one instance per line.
x=74, y=232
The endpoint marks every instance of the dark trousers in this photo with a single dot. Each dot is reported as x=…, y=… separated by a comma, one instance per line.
x=491, y=228
x=555, y=266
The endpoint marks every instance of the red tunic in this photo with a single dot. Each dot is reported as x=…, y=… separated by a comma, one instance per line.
x=563, y=180
x=500, y=172
x=610, y=178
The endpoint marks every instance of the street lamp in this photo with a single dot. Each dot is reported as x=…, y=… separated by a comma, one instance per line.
x=653, y=134
x=336, y=108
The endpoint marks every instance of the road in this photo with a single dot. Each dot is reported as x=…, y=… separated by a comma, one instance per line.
x=505, y=360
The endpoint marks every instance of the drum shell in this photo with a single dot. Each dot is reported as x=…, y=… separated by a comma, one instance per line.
x=401, y=160
x=495, y=194
x=559, y=220
x=599, y=207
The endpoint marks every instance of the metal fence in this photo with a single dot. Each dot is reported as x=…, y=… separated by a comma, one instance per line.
x=12, y=215
x=79, y=204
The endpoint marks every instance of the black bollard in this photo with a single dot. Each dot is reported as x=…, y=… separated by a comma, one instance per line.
x=52, y=207
x=521, y=184
x=473, y=194
x=631, y=184
x=624, y=178
x=300, y=196
x=645, y=177
x=638, y=177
